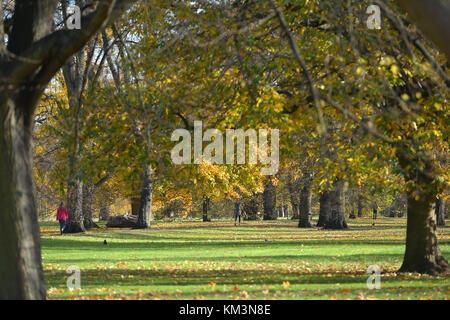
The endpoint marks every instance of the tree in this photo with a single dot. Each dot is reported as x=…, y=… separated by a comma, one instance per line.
x=269, y=200
x=28, y=61
x=407, y=90
x=440, y=211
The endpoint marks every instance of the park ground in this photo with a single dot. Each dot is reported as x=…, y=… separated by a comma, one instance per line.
x=258, y=260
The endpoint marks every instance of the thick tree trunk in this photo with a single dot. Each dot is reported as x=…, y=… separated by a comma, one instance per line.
x=269, y=201
x=324, y=211
x=75, y=223
x=88, y=194
x=305, y=208
x=440, y=212
x=337, y=206
x=205, y=209
x=145, y=208
x=21, y=273
x=422, y=253
x=104, y=213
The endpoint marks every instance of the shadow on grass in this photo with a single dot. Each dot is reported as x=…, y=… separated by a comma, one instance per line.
x=117, y=277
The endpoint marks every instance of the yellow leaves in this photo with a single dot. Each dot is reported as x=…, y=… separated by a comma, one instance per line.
x=405, y=97
x=359, y=71
x=286, y=284
x=394, y=69
x=438, y=106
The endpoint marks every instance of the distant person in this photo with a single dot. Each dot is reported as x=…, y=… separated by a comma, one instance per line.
x=237, y=212
x=62, y=216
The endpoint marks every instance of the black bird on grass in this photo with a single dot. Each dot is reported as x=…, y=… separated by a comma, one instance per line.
x=105, y=242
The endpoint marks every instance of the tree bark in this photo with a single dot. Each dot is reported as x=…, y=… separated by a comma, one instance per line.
x=337, y=207
x=33, y=55
x=440, y=212
x=324, y=211
x=21, y=273
x=305, y=208
x=360, y=205
x=269, y=201
x=75, y=223
x=206, y=206
x=145, y=208
x=422, y=253
x=88, y=194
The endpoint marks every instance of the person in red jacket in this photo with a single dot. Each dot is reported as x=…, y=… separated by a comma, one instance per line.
x=62, y=216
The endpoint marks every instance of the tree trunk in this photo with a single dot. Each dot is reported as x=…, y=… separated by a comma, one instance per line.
x=269, y=201
x=206, y=206
x=104, y=213
x=440, y=212
x=305, y=208
x=21, y=273
x=286, y=211
x=360, y=206
x=88, y=193
x=422, y=253
x=145, y=208
x=324, y=211
x=337, y=206
x=75, y=223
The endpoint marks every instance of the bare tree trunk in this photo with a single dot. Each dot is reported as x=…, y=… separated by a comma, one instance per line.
x=422, y=253
x=324, y=211
x=305, y=208
x=145, y=209
x=360, y=206
x=440, y=212
x=206, y=206
x=88, y=194
x=337, y=206
x=21, y=273
x=75, y=223
x=269, y=201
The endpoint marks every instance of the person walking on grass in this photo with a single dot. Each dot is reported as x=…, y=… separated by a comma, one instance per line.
x=61, y=216
x=237, y=212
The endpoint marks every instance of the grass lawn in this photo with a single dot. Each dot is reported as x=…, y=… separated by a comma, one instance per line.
x=259, y=260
